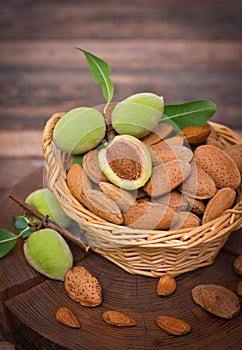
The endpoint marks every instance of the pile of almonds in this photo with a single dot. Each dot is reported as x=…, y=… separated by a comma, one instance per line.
x=83, y=287
x=193, y=181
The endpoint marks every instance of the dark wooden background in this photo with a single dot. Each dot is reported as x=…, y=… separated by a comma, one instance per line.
x=181, y=49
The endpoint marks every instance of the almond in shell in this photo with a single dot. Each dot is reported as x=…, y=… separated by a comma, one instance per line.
x=118, y=319
x=219, y=165
x=174, y=200
x=238, y=265
x=222, y=200
x=172, y=325
x=82, y=286
x=166, y=177
x=124, y=199
x=161, y=131
x=65, y=316
x=185, y=220
x=81, y=188
x=198, y=184
x=239, y=289
x=217, y=300
x=165, y=152
x=235, y=152
x=92, y=168
x=148, y=216
x=197, y=206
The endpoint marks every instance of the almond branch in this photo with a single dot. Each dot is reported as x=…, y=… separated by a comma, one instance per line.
x=48, y=223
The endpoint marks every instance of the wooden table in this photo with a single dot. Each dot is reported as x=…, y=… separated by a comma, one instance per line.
x=183, y=50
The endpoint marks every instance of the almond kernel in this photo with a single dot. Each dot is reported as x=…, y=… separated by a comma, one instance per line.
x=118, y=319
x=66, y=317
x=166, y=285
x=172, y=325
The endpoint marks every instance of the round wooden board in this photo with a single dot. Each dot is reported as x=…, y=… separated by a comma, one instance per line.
x=33, y=301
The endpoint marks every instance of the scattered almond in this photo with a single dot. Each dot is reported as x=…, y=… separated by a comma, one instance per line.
x=82, y=286
x=172, y=325
x=217, y=300
x=66, y=317
x=239, y=289
x=238, y=265
x=118, y=319
x=222, y=200
x=166, y=285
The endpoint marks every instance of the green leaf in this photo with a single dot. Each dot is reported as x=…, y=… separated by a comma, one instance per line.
x=27, y=232
x=189, y=114
x=7, y=241
x=20, y=223
x=100, y=71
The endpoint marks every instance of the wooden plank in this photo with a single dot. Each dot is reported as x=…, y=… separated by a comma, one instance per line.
x=14, y=169
x=143, y=19
x=140, y=54
x=55, y=78
x=20, y=143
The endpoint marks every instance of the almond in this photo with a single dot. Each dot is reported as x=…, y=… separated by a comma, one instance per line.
x=124, y=199
x=197, y=206
x=66, y=317
x=166, y=177
x=103, y=206
x=166, y=152
x=217, y=300
x=148, y=216
x=81, y=188
x=235, y=152
x=172, y=325
x=213, y=142
x=195, y=135
x=238, y=265
x=175, y=140
x=219, y=165
x=166, y=285
x=174, y=200
x=161, y=131
x=118, y=319
x=185, y=220
x=222, y=200
x=239, y=289
x=92, y=168
x=82, y=286
x=198, y=184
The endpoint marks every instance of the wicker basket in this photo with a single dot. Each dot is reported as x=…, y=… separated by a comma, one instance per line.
x=144, y=252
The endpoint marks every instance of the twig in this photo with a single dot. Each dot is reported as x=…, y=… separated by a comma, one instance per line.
x=49, y=223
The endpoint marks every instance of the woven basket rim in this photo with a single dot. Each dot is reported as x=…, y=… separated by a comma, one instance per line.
x=229, y=221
